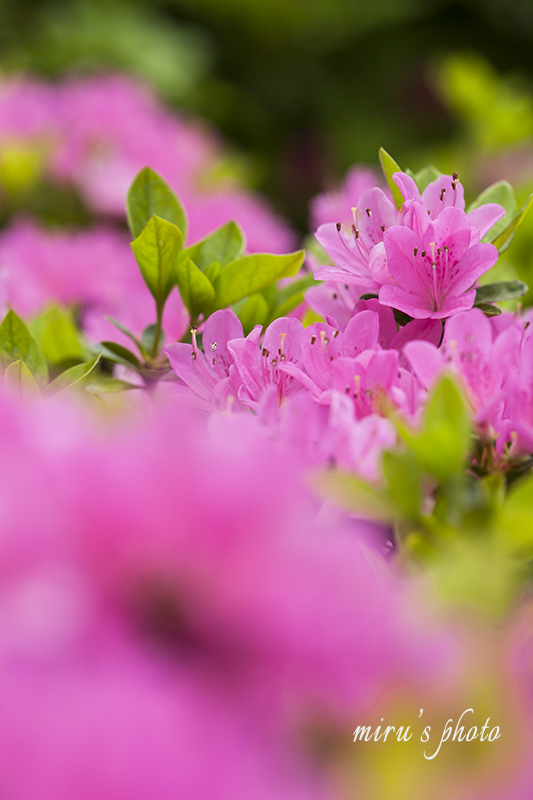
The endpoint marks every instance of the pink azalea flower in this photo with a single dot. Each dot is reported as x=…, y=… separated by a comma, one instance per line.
x=484, y=359
x=329, y=433
x=259, y=367
x=211, y=375
x=358, y=258
x=445, y=192
x=434, y=273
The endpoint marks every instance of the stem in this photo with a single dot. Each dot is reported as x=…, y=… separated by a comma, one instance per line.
x=157, y=334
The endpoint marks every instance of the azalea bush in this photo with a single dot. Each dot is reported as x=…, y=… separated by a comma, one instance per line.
x=254, y=497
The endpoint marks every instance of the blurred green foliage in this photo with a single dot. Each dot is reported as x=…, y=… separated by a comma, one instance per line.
x=306, y=87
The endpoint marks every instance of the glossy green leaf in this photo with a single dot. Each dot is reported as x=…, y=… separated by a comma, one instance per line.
x=254, y=312
x=489, y=309
x=156, y=250
x=75, y=376
x=57, y=335
x=501, y=291
x=223, y=245
x=505, y=238
x=213, y=271
x=196, y=290
x=16, y=342
x=250, y=274
x=389, y=167
x=120, y=355
x=18, y=377
x=502, y=193
x=149, y=195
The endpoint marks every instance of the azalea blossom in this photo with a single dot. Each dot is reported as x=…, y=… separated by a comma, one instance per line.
x=433, y=274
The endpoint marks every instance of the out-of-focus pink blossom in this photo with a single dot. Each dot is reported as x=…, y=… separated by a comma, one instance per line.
x=94, y=271
x=335, y=206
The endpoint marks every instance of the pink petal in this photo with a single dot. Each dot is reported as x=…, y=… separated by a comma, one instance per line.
x=477, y=260
x=407, y=186
x=484, y=217
x=425, y=359
x=362, y=333
x=442, y=188
x=419, y=306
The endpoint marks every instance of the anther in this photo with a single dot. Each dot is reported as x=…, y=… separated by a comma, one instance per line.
x=355, y=232
x=313, y=339
x=383, y=228
x=368, y=212
x=335, y=334
x=442, y=194
x=415, y=251
x=334, y=296
x=331, y=358
x=423, y=253
x=214, y=362
x=265, y=352
x=213, y=346
x=193, y=355
x=339, y=226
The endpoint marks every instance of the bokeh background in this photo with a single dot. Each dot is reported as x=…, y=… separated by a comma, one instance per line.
x=301, y=89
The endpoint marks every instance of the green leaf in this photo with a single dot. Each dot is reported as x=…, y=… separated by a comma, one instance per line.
x=223, y=245
x=291, y=296
x=250, y=274
x=139, y=344
x=121, y=355
x=442, y=445
x=57, y=335
x=148, y=336
x=254, y=312
x=501, y=291
x=19, y=378
x=489, y=310
x=109, y=385
x=389, y=167
x=156, y=250
x=503, y=194
x=196, y=290
x=505, y=238
x=75, y=376
x=16, y=342
x=213, y=271
x=149, y=195
x=403, y=477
